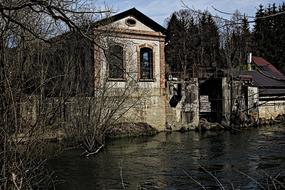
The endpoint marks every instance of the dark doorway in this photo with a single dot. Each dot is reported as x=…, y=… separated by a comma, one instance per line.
x=211, y=90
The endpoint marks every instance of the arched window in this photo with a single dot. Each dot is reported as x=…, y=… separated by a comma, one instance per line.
x=146, y=63
x=116, y=62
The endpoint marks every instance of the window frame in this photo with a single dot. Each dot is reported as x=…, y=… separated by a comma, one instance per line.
x=152, y=66
x=111, y=78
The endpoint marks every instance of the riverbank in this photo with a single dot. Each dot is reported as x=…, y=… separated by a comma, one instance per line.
x=130, y=129
x=238, y=124
x=143, y=129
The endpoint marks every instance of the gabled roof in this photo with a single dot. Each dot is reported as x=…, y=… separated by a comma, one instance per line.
x=136, y=14
x=269, y=79
x=267, y=67
x=261, y=79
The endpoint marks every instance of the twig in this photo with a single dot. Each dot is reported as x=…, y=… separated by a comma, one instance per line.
x=252, y=179
x=228, y=13
x=83, y=153
x=216, y=179
x=194, y=179
x=273, y=180
x=95, y=152
x=14, y=179
x=121, y=175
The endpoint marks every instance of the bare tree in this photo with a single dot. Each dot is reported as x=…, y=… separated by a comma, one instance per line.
x=29, y=77
x=93, y=117
x=48, y=86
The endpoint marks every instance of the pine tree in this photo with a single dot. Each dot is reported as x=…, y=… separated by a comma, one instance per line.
x=246, y=40
x=269, y=35
x=172, y=38
x=181, y=43
x=258, y=31
x=209, y=47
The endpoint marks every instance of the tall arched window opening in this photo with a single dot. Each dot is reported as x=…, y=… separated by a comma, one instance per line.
x=116, y=62
x=146, y=63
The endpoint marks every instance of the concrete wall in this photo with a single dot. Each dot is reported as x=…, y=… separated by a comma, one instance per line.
x=271, y=109
x=186, y=113
x=252, y=102
x=150, y=108
x=260, y=107
x=263, y=109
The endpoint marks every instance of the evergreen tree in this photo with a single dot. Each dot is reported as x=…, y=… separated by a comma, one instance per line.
x=269, y=34
x=246, y=40
x=210, y=41
x=181, y=43
x=172, y=39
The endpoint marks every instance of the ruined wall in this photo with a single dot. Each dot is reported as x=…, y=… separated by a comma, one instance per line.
x=186, y=112
x=252, y=102
x=260, y=108
x=271, y=109
x=265, y=107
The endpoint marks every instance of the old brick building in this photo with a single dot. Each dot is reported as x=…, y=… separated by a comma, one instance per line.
x=130, y=51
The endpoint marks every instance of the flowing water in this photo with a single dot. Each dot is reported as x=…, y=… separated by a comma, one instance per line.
x=240, y=159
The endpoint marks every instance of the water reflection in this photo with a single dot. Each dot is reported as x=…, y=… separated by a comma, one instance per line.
x=160, y=162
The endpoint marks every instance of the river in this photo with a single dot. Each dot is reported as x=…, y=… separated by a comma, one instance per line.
x=172, y=161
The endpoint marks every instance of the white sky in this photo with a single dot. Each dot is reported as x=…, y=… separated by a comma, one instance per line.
x=159, y=10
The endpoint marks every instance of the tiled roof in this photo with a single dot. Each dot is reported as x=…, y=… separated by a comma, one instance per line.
x=261, y=79
x=265, y=66
x=269, y=80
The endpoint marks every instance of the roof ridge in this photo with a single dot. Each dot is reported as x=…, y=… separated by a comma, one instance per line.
x=134, y=12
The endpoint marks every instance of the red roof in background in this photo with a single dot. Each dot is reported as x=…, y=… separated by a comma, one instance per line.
x=266, y=66
x=269, y=80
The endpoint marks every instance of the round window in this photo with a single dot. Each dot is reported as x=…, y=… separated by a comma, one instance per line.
x=131, y=22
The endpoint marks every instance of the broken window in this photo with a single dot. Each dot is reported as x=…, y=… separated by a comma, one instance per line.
x=116, y=63
x=177, y=95
x=146, y=63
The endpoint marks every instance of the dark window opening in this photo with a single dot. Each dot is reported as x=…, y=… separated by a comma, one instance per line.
x=131, y=22
x=116, y=64
x=177, y=96
x=146, y=63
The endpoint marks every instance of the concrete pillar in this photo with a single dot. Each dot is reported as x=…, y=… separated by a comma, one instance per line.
x=226, y=100
x=191, y=103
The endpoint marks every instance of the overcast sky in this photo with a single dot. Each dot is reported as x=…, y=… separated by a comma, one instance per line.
x=159, y=10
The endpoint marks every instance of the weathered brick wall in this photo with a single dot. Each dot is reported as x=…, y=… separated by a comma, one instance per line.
x=151, y=108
